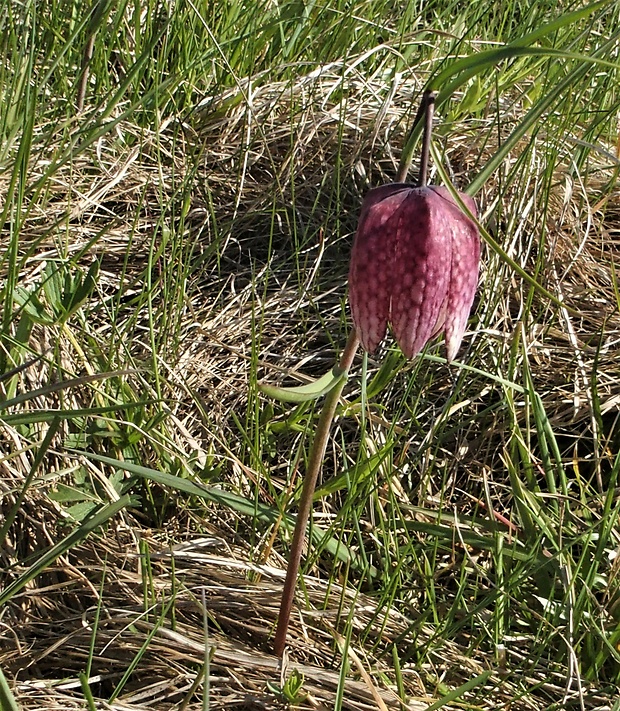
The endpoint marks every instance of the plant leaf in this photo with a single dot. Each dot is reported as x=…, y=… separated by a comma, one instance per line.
x=260, y=512
x=7, y=700
x=75, y=537
x=303, y=393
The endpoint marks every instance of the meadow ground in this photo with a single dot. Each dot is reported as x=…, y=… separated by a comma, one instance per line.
x=180, y=183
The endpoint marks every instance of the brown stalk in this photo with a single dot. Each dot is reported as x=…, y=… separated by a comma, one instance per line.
x=305, y=503
x=426, y=111
x=89, y=48
x=428, y=105
x=321, y=436
x=97, y=16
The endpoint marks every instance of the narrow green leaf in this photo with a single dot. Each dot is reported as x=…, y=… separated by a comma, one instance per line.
x=253, y=509
x=445, y=534
x=533, y=116
x=41, y=452
x=474, y=64
x=142, y=651
x=459, y=691
x=303, y=393
x=467, y=67
x=75, y=537
x=477, y=371
x=63, y=385
x=7, y=700
x=86, y=691
x=23, y=366
x=81, y=291
x=29, y=418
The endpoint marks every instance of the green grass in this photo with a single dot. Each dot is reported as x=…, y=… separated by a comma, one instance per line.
x=186, y=236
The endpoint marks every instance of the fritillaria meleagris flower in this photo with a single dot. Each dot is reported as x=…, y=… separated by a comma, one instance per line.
x=415, y=265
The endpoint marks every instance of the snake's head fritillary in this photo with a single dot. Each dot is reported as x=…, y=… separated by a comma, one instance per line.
x=414, y=264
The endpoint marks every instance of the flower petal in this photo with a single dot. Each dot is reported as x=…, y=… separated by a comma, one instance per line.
x=464, y=268
x=370, y=272
x=421, y=269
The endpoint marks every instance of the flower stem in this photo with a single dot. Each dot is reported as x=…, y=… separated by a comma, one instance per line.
x=426, y=110
x=319, y=444
x=317, y=451
x=429, y=109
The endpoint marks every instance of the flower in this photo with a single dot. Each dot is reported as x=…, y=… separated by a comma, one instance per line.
x=414, y=264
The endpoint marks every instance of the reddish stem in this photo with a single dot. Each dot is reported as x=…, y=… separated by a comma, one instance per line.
x=317, y=452
x=425, y=111
x=429, y=110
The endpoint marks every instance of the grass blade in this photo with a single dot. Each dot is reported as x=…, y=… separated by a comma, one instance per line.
x=103, y=515
x=7, y=700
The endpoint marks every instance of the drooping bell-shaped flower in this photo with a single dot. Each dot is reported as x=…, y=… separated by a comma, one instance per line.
x=415, y=265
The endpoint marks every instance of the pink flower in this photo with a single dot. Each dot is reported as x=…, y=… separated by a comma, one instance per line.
x=414, y=264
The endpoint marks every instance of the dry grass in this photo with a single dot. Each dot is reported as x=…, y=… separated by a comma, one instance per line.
x=50, y=647
x=256, y=176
